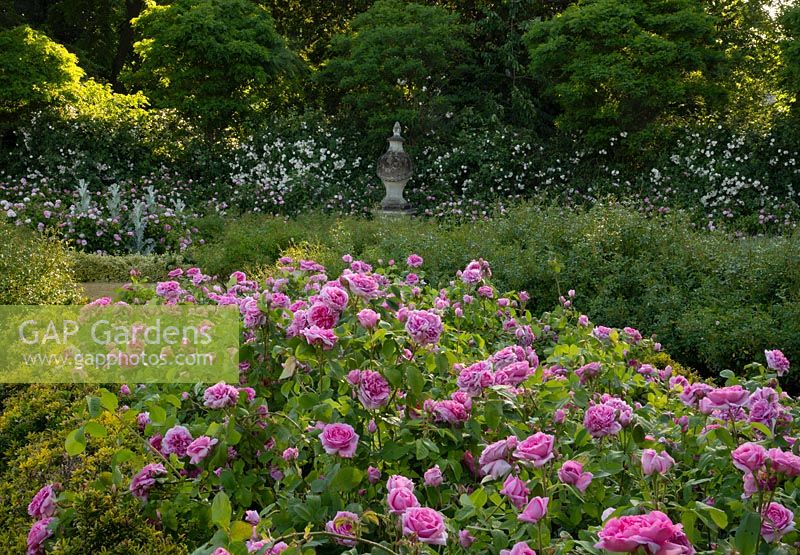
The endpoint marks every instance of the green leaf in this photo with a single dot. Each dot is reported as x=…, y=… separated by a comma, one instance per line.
x=719, y=516
x=240, y=531
x=95, y=408
x=108, y=400
x=288, y=368
x=95, y=429
x=221, y=510
x=479, y=498
x=75, y=442
x=416, y=382
x=157, y=414
x=747, y=533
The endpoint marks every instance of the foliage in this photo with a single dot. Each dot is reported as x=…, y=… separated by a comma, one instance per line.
x=33, y=423
x=214, y=60
x=656, y=274
x=790, y=48
x=452, y=390
x=35, y=269
x=404, y=62
x=623, y=66
x=34, y=72
x=98, y=267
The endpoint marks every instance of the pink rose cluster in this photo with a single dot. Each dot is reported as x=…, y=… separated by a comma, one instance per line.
x=220, y=396
x=652, y=533
x=777, y=361
x=608, y=417
x=475, y=272
x=417, y=523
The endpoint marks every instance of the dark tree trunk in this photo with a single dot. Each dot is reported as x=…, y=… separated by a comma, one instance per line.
x=125, y=46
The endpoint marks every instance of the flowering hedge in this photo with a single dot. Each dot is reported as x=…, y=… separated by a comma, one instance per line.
x=378, y=414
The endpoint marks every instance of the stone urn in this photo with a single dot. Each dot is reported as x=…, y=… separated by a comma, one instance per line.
x=394, y=170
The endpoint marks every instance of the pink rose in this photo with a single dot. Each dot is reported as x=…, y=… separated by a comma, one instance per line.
x=220, y=395
x=38, y=534
x=322, y=315
x=516, y=490
x=368, y=318
x=316, y=335
x=450, y=411
x=777, y=361
x=145, y=479
x=465, y=539
x=475, y=378
x=652, y=531
x=535, y=510
x=396, y=481
x=776, y=522
x=728, y=397
x=373, y=390
x=363, y=286
x=400, y=499
x=200, y=448
x=424, y=525
x=588, y=371
x=571, y=472
x=653, y=462
x=513, y=374
x=177, y=440
x=519, y=548
x=43, y=503
x=343, y=524
x=373, y=475
x=537, y=449
x=339, y=439
x=424, y=327
x=494, y=458
x=414, y=261
x=290, y=454
x=784, y=462
x=601, y=420
x=220, y=551
x=749, y=457
x=433, y=477
x=334, y=297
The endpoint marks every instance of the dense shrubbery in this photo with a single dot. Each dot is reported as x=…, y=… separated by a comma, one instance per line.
x=396, y=416
x=713, y=300
x=35, y=269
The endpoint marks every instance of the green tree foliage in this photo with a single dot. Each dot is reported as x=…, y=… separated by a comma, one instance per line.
x=217, y=61
x=622, y=65
x=790, y=48
x=748, y=34
x=34, y=72
x=401, y=61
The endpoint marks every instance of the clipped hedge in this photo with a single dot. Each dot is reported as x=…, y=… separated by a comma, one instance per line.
x=99, y=267
x=713, y=300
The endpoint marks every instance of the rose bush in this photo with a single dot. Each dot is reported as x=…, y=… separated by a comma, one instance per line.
x=415, y=419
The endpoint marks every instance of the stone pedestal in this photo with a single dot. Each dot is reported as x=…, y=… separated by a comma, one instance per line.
x=395, y=169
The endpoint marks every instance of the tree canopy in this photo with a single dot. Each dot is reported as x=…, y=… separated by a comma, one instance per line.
x=216, y=61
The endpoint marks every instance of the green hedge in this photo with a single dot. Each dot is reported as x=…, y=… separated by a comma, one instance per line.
x=35, y=269
x=714, y=301
x=99, y=267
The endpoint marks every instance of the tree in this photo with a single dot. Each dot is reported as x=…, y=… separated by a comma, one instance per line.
x=35, y=72
x=219, y=62
x=623, y=65
x=400, y=61
x=790, y=49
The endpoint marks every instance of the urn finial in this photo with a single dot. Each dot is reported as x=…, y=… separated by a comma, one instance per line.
x=395, y=169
